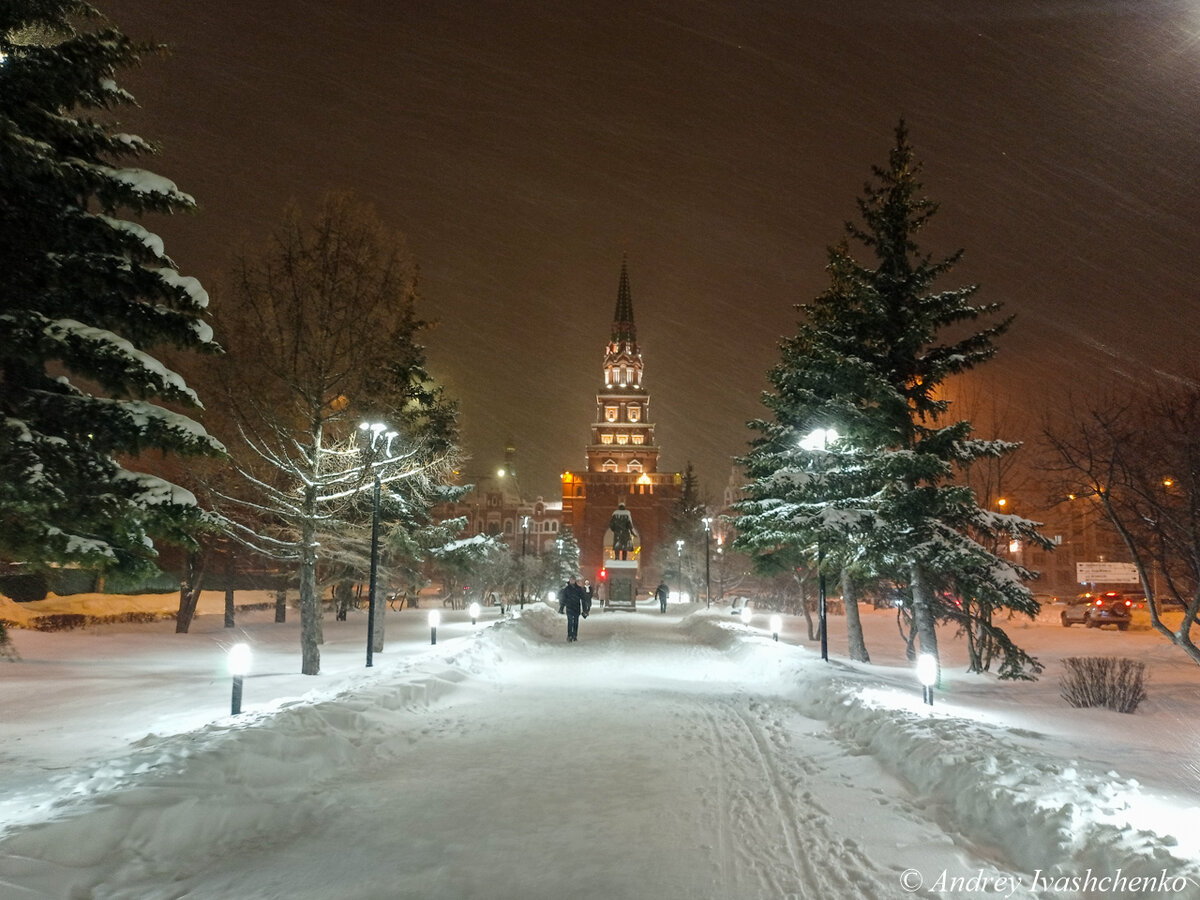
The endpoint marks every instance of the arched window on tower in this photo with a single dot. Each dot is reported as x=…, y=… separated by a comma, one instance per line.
x=609, y=465
x=635, y=465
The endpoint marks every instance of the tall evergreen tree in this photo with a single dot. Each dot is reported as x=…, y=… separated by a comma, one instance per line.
x=880, y=496
x=87, y=298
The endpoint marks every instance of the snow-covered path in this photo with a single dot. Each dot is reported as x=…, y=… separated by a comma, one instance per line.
x=676, y=756
x=637, y=762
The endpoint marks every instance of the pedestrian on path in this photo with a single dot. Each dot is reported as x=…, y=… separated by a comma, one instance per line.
x=661, y=593
x=572, y=601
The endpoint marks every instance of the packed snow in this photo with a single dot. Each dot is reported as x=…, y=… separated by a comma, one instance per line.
x=684, y=755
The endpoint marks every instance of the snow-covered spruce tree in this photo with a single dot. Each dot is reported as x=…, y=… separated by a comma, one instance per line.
x=868, y=359
x=86, y=297
x=323, y=334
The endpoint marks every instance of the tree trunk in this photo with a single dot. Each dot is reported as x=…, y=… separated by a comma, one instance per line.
x=280, y=606
x=854, y=630
x=189, y=591
x=808, y=619
x=230, y=557
x=380, y=602
x=310, y=606
x=923, y=619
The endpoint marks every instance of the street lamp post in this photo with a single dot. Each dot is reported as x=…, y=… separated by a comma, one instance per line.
x=374, y=572
x=524, y=541
x=821, y=601
x=819, y=439
x=239, y=665
x=679, y=567
x=376, y=429
x=707, y=570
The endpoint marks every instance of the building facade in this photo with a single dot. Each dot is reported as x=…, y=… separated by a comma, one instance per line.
x=495, y=506
x=622, y=458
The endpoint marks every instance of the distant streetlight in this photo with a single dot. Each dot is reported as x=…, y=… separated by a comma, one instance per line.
x=707, y=570
x=776, y=625
x=819, y=439
x=678, y=564
x=239, y=665
x=524, y=541
x=376, y=430
x=927, y=666
x=473, y=609
x=434, y=618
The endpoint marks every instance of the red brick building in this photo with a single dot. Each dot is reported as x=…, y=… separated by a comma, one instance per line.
x=622, y=458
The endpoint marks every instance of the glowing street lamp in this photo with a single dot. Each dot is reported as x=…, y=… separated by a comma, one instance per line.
x=707, y=571
x=473, y=609
x=239, y=665
x=376, y=430
x=776, y=625
x=524, y=541
x=434, y=618
x=927, y=667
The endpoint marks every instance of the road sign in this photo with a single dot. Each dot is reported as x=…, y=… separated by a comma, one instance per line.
x=1105, y=573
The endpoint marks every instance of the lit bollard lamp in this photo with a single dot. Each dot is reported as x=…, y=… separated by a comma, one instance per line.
x=927, y=674
x=776, y=625
x=434, y=618
x=473, y=609
x=239, y=665
x=747, y=615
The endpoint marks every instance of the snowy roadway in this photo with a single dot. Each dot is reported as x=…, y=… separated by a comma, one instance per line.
x=658, y=757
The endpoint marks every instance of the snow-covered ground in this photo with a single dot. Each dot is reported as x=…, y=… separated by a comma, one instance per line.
x=662, y=756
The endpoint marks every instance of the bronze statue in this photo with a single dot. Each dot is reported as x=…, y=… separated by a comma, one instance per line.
x=623, y=531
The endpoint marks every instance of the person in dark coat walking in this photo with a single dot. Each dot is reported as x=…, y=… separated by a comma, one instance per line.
x=661, y=593
x=572, y=602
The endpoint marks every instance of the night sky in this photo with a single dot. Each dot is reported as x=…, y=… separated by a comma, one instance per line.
x=525, y=146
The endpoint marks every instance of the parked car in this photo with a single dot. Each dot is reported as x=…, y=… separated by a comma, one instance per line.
x=1076, y=610
x=1095, y=610
x=1110, y=608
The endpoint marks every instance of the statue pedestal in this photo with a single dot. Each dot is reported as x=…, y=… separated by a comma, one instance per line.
x=621, y=578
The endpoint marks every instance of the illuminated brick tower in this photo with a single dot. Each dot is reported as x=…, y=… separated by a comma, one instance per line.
x=622, y=459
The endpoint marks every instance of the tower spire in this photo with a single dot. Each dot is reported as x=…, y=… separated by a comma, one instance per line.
x=623, y=329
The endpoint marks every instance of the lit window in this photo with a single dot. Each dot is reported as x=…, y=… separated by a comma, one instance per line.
x=622, y=439
x=637, y=438
x=610, y=413
x=606, y=438
x=609, y=465
x=634, y=414
x=635, y=465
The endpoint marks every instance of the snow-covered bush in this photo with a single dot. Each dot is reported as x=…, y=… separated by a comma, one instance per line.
x=1108, y=681
x=7, y=651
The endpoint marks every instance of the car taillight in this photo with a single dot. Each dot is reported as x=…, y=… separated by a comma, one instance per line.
x=1099, y=602
x=1129, y=603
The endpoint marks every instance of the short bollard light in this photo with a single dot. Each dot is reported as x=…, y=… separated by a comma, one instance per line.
x=473, y=609
x=239, y=665
x=776, y=625
x=927, y=674
x=747, y=615
x=434, y=618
